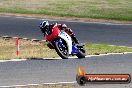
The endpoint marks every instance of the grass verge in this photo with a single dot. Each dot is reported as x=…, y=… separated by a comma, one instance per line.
x=30, y=49
x=106, y=9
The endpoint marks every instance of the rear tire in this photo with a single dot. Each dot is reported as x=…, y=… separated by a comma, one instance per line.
x=81, y=53
x=63, y=54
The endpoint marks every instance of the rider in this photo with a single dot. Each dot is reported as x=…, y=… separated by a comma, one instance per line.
x=46, y=27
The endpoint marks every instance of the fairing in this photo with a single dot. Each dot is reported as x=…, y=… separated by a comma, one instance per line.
x=53, y=36
x=68, y=40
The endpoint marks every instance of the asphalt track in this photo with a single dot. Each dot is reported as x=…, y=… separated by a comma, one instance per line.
x=109, y=33
x=47, y=71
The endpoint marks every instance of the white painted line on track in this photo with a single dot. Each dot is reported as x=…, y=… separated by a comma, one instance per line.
x=6, y=86
x=5, y=16
x=12, y=86
x=13, y=60
x=58, y=58
x=17, y=60
x=127, y=52
x=20, y=17
x=67, y=82
x=30, y=18
x=109, y=54
x=72, y=82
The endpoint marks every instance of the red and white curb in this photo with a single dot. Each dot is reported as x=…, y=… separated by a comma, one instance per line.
x=33, y=40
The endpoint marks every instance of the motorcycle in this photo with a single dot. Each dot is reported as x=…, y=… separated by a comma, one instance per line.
x=63, y=44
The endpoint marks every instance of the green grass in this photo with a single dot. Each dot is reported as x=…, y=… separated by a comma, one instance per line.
x=106, y=9
x=95, y=49
x=30, y=49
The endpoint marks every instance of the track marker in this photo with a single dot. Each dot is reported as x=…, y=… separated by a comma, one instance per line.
x=18, y=47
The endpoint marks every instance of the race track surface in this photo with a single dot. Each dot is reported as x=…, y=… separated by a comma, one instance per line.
x=45, y=71
x=48, y=71
x=115, y=34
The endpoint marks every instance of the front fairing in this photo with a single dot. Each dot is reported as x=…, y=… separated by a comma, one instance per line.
x=63, y=35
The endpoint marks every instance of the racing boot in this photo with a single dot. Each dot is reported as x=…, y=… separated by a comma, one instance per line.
x=76, y=41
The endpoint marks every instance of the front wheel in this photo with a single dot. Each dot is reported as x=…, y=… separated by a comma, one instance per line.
x=61, y=49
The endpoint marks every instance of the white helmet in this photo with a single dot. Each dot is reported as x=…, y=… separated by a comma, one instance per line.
x=44, y=25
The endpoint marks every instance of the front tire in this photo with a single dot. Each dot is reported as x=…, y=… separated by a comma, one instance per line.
x=62, y=51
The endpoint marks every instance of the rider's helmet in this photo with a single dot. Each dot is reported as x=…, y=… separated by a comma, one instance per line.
x=44, y=26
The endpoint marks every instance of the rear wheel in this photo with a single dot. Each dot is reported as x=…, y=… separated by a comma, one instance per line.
x=81, y=53
x=62, y=49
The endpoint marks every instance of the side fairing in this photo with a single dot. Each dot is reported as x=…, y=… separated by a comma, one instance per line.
x=53, y=36
x=68, y=40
